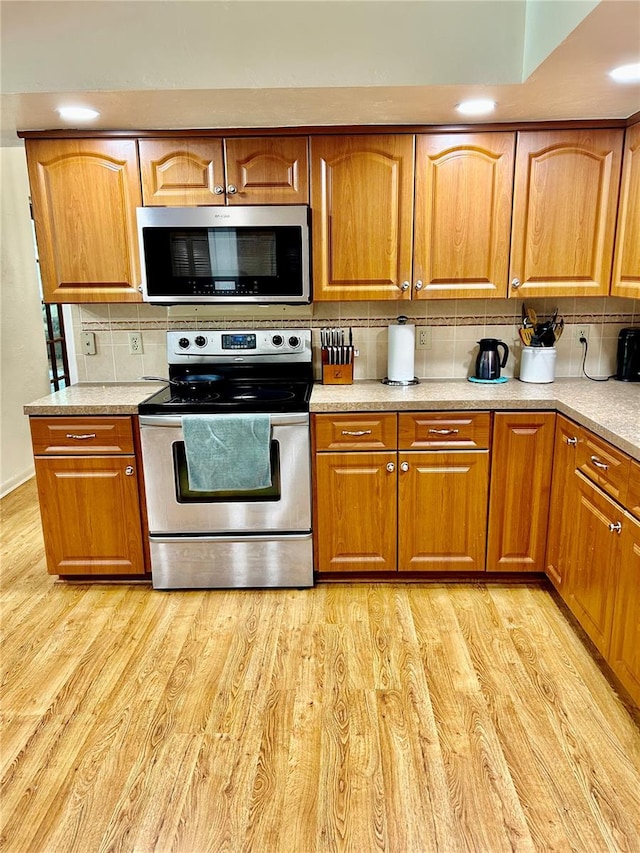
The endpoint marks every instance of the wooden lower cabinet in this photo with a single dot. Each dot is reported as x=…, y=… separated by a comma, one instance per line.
x=561, y=528
x=90, y=495
x=522, y=457
x=590, y=585
x=624, y=652
x=356, y=512
x=442, y=517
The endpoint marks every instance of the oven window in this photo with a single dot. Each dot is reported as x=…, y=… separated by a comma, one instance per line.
x=185, y=495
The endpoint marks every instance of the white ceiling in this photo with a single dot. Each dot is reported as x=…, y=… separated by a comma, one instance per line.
x=255, y=63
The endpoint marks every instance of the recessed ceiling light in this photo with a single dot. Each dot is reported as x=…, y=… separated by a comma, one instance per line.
x=77, y=113
x=476, y=107
x=626, y=73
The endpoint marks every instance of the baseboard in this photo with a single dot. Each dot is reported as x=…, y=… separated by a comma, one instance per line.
x=13, y=482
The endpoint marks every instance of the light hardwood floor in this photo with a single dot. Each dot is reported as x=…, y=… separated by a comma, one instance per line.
x=359, y=717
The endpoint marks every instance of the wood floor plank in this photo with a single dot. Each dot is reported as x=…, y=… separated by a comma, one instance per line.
x=350, y=717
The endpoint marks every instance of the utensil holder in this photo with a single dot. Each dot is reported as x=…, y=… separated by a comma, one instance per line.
x=337, y=374
x=538, y=364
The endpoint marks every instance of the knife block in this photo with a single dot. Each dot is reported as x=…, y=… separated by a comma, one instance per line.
x=337, y=374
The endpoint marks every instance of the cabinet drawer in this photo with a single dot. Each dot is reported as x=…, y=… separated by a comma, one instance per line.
x=356, y=432
x=438, y=430
x=633, y=492
x=81, y=435
x=604, y=465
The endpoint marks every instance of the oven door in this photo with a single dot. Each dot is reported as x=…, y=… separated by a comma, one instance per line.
x=174, y=509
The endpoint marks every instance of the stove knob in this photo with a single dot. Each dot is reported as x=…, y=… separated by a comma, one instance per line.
x=200, y=341
x=294, y=341
x=277, y=340
x=183, y=343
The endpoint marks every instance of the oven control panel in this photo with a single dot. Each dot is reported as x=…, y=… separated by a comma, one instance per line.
x=272, y=344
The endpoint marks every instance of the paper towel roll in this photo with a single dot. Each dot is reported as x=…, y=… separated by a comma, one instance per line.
x=400, y=356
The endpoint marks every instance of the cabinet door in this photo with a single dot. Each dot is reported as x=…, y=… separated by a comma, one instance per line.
x=90, y=515
x=590, y=585
x=362, y=216
x=626, y=264
x=624, y=655
x=355, y=526
x=267, y=170
x=463, y=214
x=85, y=193
x=564, y=212
x=442, y=519
x=182, y=171
x=563, y=500
x=522, y=454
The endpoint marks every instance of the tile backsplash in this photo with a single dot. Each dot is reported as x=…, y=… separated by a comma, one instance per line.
x=455, y=327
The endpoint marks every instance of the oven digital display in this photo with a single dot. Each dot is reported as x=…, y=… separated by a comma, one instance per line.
x=224, y=285
x=238, y=342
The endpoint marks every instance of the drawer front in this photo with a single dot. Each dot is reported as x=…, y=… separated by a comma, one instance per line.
x=440, y=430
x=633, y=492
x=356, y=432
x=60, y=436
x=604, y=465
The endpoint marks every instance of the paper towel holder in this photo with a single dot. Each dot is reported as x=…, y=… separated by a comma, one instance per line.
x=415, y=381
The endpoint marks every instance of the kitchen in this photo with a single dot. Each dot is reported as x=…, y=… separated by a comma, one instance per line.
x=455, y=327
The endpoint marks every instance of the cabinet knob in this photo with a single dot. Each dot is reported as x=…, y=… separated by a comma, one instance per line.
x=218, y=190
x=615, y=527
x=391, y=467
x=405, y=285
x=515, y=283
x=232, y=189
x=404, y=467
x=418, y=285
x=129, y=470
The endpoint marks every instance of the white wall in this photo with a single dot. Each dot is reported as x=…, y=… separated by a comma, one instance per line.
x=23, y=359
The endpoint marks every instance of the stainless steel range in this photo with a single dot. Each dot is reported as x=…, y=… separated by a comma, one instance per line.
x=213, y=534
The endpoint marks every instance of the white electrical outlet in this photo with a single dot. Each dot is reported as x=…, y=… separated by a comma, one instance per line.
x=423, y=337
x=582, y=330
x=135, y=343
x=88, y=343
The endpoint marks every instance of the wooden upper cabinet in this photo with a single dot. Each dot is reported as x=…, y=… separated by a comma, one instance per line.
x=362, y=216
x=462, y=214
x=178, y=172
x=564, y=212
x=256, y=170
x=270, y=170
x=626, y=264
x=84, y=195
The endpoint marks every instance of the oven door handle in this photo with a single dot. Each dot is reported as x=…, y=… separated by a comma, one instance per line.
x=175, y=421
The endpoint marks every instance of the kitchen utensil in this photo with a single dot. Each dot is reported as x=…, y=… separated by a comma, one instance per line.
x=488, y=362
x=526, y=336
x=532, y=317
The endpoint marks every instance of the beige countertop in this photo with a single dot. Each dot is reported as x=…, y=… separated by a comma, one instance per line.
x=610, y=409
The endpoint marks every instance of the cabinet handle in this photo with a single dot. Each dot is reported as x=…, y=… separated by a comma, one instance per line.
x=81, y=437
x=599, y=464
x=615, y=527
x=405, y=285
x=232, y=189
x=391, y=467
x=418, y=285
x=218, y=190
x=573, y=441
x=443, y=431
x=129, y=470
x=515, y=283
x=404, y=467
x=356, y=432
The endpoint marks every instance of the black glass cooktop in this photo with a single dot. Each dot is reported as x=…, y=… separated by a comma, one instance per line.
x=228, y=396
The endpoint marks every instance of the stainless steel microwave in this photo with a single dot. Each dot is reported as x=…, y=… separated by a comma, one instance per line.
x=225, y=254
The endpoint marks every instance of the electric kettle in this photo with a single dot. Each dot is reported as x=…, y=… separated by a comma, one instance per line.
x=488, y=362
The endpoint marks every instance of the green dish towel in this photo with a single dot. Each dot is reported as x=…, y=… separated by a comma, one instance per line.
x=227, y=452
